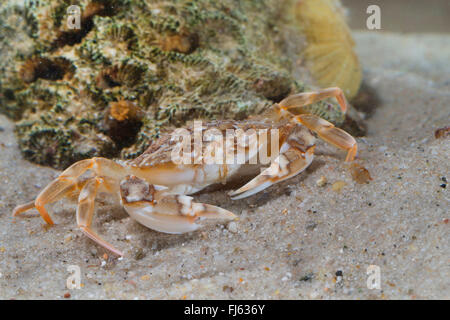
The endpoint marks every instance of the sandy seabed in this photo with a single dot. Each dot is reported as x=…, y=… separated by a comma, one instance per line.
x=295, y=240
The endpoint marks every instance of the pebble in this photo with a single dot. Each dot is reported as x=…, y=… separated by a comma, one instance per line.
x=68, y=238
x=322, y=181
x=338, y=185
x=232, y=227
x=286, y=277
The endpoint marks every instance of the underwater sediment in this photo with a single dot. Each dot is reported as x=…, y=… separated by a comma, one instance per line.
x=135, y=68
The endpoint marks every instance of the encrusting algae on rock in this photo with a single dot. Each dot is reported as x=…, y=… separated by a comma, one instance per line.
x=135, y=68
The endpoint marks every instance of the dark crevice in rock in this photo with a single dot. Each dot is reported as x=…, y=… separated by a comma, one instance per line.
x=74, y=36
x=44, y=68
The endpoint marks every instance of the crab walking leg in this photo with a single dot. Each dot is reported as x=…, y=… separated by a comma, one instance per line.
x=85, y=212
x=57, y=189
x=328, y=132
x=65, y=183
x=53, y=192
x=306, y=98
x=22, y=208
x=288, y=164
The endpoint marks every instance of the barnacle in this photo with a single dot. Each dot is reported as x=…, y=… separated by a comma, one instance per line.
x=108, y=78
x=126, y=74
x=182, y=43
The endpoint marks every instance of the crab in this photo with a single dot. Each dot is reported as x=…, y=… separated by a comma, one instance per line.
x=154, y=188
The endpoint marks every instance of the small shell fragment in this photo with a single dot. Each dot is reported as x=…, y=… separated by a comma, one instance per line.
x=360, y=174
x=338, y=185
x=330, y=53
x=442, y=132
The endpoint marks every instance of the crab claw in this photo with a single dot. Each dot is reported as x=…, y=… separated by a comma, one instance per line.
x=288, y=164
x=151, y=206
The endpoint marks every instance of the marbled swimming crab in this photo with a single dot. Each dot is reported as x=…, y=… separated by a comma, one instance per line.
x=154, y=187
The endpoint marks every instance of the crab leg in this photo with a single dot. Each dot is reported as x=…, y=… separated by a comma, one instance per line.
x=65, y=184
x=85, y=212
x=160, y=211
x=306, y=98
x=53, y=192
x=286, y=165
x=328, y=132
x=57, y=189
x=23, y=207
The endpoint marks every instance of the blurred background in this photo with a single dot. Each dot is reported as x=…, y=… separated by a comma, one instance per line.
x=412, y=16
